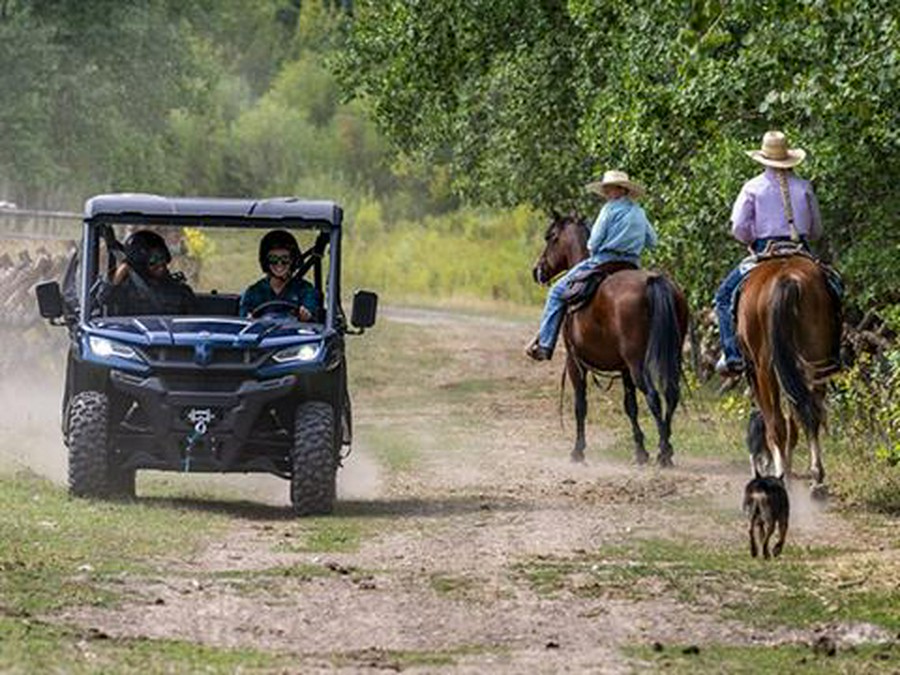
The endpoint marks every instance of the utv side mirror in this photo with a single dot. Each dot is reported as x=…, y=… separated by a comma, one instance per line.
x=365, y=306
x=50, y=300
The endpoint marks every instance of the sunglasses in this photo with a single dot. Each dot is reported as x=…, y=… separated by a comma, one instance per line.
x=156, y=258
x=279, y=259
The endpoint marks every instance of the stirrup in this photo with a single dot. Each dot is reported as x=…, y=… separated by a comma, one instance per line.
x=537, y=352
x=729, y=368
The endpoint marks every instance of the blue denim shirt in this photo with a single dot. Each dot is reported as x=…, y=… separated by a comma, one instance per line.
x=621, y=231
x=297, y=291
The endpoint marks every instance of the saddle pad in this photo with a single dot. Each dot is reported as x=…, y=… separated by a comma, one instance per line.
x=583, y=284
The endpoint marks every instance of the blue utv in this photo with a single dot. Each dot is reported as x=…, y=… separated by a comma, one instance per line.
x=208, y=391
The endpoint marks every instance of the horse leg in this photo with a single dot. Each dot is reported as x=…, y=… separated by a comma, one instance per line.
x=815, y=453
x=654, y=402
x=671, y=403
x=775, y=439
x=631, y=409
x=769, y=401
x=791, y=436
x=579, y=386
x=818, y=490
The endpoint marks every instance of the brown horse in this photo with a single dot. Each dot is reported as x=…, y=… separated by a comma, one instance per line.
x=634, y=325
x=789, y=326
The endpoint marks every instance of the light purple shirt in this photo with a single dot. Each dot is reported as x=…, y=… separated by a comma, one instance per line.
x=759, y=214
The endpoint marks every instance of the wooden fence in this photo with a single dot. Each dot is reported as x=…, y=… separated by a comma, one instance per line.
x=35, y=246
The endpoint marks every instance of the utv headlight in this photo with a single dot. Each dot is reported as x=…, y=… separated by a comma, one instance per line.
x=106, y=348
x=305, y=352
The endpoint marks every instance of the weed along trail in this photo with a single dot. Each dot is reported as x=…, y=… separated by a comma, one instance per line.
x=463, y=541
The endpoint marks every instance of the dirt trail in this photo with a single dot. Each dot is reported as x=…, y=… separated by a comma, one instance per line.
x=448, y=540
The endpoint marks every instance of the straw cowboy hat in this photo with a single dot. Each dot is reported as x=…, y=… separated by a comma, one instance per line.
x=615, y=178
x=775, y=152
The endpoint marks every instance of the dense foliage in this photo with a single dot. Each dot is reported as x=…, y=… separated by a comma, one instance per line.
x=227, y=98
x=527, y=100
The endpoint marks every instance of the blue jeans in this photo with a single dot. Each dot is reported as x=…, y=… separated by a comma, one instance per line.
x=555, y=308
x=725, y=303
x=725, y=314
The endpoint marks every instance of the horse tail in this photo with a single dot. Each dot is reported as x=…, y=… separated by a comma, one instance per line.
x=662, y=360
x=784, y=314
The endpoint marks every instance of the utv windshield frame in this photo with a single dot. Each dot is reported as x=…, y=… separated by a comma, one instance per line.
x=278, y=213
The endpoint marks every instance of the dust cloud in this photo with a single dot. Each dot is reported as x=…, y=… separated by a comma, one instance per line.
x=808, y=515
x=357, y=479
x=31, y=439
x=30, y=436
x=360, y=476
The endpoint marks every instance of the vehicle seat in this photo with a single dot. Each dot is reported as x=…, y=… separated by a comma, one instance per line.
x=218, y=304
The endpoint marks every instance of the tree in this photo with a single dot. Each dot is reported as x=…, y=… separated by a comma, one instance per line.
x=483, y=86
x=525, y=101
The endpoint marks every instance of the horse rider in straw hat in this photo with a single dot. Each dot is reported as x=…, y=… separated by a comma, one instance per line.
x=620, y=233
x=776, y=205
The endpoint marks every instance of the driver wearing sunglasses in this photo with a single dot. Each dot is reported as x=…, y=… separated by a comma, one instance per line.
x=280, y=291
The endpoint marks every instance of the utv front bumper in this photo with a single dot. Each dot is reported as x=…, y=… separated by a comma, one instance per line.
x=210, y=424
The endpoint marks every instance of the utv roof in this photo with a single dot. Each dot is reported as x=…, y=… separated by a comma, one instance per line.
x=213, y=212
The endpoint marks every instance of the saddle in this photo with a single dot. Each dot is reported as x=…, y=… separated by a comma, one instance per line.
x=584, y=284
x=784, y=249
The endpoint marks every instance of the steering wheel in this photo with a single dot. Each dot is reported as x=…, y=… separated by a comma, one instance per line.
x=275, y=307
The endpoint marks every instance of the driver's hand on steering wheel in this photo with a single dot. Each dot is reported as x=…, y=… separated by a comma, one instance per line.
x=303, y=313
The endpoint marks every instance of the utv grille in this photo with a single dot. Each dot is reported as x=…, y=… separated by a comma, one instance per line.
x=174, y=356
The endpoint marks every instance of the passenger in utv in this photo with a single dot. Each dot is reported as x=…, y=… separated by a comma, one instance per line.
x=279, y=258
x=143, y=284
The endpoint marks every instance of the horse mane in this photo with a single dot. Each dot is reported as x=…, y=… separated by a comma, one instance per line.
x=572, y=216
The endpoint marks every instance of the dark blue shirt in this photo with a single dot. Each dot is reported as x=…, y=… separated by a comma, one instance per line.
x=296, y=291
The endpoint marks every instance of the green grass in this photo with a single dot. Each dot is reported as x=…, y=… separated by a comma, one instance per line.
x=790, y=591
x=759, y=659
x=327, y=535
x=454, y=586
x=34, y=647
x=59, y=552
x=396, y=450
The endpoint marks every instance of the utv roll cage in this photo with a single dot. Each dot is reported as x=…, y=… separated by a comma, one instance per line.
x=211, y=391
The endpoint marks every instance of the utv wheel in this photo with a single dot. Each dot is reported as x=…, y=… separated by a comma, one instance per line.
x=313, y=459
x=88, y=444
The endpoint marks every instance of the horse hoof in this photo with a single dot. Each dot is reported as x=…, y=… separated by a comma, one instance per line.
x=641, y=458
x=665, y=461
x=577, y=457
x=818, y=492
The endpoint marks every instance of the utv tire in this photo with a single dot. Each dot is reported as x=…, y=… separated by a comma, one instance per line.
x=87, y=439
x=314, y=460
